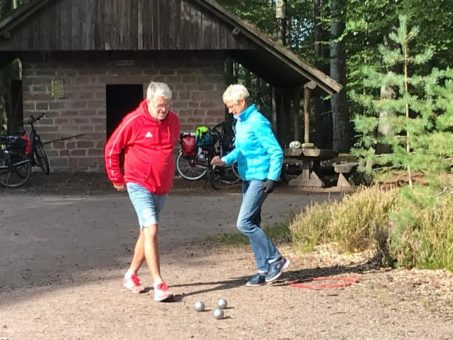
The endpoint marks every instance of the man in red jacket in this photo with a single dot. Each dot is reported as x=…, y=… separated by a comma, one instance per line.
x=146, y=137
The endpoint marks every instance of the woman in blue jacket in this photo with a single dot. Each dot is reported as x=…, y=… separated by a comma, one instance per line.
x=259, y=158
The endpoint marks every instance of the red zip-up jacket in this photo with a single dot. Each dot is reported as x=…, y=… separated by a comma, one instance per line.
x=148, y=146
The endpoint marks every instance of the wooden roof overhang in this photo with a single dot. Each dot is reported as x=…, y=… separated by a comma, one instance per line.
x=268, y=59
x=271, y=60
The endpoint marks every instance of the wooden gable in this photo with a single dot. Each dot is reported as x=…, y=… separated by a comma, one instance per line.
x=120, y=25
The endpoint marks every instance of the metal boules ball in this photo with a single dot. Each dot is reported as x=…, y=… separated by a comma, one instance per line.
x=218, y=313
x=222, y=303
x=199, y=306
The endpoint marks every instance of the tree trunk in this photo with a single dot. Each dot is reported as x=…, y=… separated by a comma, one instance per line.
x=280, y=14
x=321, y=134
x=340, y=115
x=385, y=129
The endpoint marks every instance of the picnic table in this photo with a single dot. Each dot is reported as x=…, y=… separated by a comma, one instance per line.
x=311, y=161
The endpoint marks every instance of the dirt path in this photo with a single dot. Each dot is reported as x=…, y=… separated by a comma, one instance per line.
x=63, y=253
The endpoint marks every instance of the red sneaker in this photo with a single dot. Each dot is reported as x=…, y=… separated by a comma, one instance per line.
x=133, y=284
x=162, y=293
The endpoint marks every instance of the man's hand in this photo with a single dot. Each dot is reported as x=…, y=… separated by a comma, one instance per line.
x=217, y=161
x=119, y=187
x=268, y=186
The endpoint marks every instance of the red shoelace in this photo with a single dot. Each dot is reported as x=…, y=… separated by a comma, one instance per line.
x=162, y=286
x=136, y=280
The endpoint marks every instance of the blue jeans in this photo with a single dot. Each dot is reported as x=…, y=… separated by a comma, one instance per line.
x=146, y=204
x=248, y=223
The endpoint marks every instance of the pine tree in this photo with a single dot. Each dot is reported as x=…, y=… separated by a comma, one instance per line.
x=420, y=111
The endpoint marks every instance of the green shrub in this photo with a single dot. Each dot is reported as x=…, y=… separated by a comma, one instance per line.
x=422, y=231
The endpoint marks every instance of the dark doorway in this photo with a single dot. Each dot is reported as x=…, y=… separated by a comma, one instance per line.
x=121, y=99
x=16, y=111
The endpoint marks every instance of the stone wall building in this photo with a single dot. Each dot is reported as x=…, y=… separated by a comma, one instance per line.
x=77, y=115
x=88, y=63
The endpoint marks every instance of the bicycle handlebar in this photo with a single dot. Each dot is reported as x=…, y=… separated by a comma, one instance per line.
x=32, y=119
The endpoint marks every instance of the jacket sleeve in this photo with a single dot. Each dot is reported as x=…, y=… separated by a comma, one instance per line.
x=113, y=149
x=231, y=157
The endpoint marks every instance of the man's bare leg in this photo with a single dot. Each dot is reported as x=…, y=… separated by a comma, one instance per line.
x=131, y=280
x=161, y=292
x=151, y=251
x=139, y=254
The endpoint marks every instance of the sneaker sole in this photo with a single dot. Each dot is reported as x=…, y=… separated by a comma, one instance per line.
x=134, y=291
x=286, y=265
x=255, y=284
x=168, y=298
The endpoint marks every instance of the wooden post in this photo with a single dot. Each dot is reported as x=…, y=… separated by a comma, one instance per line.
x=296, y=109
x=274, y=111
x=308, y=87
x=229, y=72
x=229, y=79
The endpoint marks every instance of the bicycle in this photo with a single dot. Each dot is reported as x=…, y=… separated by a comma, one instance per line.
x=15, y=166
x=35, y=151
x=194, y=163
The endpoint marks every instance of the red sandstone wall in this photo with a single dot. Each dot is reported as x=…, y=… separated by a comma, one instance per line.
x=197, y=83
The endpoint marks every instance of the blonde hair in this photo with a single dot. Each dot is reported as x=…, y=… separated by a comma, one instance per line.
x=234, y=93
x=156, y=89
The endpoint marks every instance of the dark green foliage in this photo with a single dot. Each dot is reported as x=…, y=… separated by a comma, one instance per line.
x=419, y=114
x=261, y=13
x=6, y=6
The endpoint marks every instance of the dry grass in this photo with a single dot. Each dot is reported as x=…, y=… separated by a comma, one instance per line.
x=354, y=223
x=410, y=228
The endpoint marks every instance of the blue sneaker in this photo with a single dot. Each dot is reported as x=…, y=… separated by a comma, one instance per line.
x=276, y=269
x=257, y=280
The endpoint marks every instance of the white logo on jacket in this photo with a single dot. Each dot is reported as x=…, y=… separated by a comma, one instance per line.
x=148, y=135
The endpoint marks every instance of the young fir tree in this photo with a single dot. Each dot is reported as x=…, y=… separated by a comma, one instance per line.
x=419, y=113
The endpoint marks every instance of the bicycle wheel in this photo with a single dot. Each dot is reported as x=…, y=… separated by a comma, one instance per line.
x=188, y=169
x=230, y=175
x=15, y=170
x=41, y=157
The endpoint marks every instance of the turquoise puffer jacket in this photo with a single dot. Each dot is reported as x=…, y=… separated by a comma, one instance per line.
x=256, y=150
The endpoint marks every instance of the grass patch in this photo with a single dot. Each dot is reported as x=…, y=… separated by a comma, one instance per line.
x=233, y=239
x=278, y=233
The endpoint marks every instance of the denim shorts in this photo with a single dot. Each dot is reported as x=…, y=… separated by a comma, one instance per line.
x=146, y=204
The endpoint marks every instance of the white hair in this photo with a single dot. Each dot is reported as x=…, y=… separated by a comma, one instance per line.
x=156, y=89
x=234, y=93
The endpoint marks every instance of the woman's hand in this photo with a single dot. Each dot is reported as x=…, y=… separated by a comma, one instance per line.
x=216, y=161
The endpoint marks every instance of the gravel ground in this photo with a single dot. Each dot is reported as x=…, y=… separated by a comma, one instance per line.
x=65, y=241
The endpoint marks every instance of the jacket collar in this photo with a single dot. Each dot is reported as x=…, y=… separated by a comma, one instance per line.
x=246, y=113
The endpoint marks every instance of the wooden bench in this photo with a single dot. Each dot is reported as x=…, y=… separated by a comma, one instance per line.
x=310, y=158
x=344, y=171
